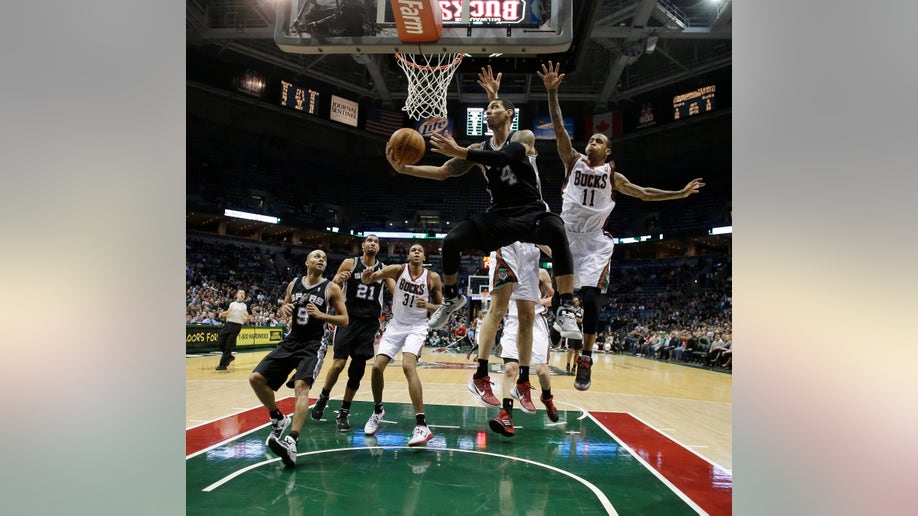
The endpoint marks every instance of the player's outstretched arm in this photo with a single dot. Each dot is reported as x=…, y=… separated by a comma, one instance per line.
x=623, y=185
x=446, y=145
x=452, y=168
x=388, y=272
x=489, y=83
x=552, y=79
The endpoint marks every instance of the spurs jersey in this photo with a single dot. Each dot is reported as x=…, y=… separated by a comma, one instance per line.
x=587, y=197
x=303, y=327
x=408, y=290
x=514, y=184
x=363, y=301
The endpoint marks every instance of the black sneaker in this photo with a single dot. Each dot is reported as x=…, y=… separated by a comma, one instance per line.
x=441, y=314
x=582, y=381
x=319, y=408
x=566, y=323
x=277, y=427
x=285, y=448
x=342, y=421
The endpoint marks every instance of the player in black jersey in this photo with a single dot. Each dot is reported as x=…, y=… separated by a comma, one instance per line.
x=311, y=302
x=364, y=306
x=517, y=213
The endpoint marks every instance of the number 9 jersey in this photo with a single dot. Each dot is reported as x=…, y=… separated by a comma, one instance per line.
x=303, y=327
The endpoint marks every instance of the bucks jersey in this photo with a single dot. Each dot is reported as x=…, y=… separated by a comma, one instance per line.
x=587, y=197
x=408, y=289
x=363, y=301
x=302, y=326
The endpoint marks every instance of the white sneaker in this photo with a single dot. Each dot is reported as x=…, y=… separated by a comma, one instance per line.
x=277, y=428
x=441, y=314
x=421, y=435
x=373, y=423
x=285, y=448
x=566, y=324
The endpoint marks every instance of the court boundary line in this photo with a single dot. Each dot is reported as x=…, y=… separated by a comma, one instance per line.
x=234, y=414
x=680, y=443
x=691, y=503
x=603, y=499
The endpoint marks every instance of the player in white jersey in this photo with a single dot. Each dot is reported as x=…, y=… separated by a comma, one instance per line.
x=540, y=347
x=516, y=267
x=418, y=291
x=588, y=198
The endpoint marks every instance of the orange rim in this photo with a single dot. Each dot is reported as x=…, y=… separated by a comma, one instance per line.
x=430, y=68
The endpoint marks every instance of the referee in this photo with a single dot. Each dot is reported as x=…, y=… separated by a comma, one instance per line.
x=236, y=315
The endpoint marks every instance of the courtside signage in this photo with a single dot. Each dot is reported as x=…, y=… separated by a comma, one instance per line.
x=343, y=110
x=418, y=21
x=485, y=11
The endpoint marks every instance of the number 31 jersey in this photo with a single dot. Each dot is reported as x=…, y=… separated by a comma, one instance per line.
x=408, y=290
x=587, y=197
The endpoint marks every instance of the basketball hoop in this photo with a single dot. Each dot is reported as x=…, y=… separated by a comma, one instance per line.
x=428, y=78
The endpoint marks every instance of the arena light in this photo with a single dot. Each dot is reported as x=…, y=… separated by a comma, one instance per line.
x=723, y=230
x=401, y=235
x=251, y=216
x=633, y=240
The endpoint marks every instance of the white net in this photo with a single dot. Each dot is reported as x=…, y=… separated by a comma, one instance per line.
x=428, y=78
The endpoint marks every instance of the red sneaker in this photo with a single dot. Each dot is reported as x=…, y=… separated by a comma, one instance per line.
x=550, y=408
x=502, y=424
x=481, y=388
x=520, y=391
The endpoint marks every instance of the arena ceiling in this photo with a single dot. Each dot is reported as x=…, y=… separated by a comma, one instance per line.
x=621, y=49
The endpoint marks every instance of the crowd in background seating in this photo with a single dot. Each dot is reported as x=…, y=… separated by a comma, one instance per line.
x=677, y=310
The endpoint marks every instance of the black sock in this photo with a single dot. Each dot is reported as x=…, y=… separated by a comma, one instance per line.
x=508, y=405
x=450, y=291
x=524, y=374
x=295, y=435
x=420, y=419
x=377, y=409
x=325, y=393
x=546, y=394
x=482, y=369
x=586, y=352
x=346, y=406
x=276, y=414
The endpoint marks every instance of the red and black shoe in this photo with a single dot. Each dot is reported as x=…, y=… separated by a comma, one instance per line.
x=550, y=408
x=502, y=424
x=582, y=380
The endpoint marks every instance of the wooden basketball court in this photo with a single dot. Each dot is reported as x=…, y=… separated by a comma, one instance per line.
x=649, y=437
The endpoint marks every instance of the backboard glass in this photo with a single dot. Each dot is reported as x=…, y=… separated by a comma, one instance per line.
x=469, y=26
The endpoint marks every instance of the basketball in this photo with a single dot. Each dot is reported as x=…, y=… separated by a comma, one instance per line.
x=408, y=145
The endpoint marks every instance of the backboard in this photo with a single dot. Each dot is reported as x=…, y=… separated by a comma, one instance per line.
x=469, y=26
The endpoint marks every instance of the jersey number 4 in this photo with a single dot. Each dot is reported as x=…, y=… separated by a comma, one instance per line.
x=507, y=176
